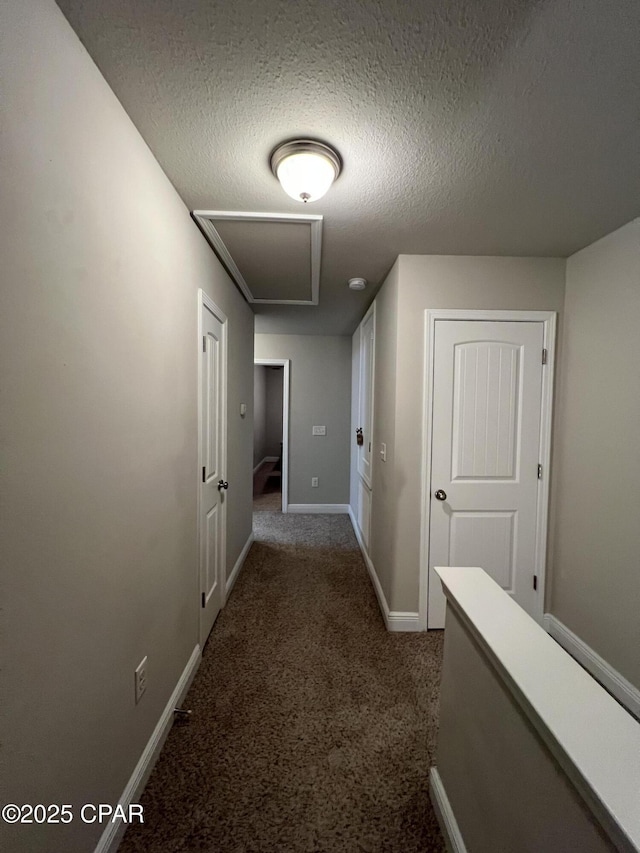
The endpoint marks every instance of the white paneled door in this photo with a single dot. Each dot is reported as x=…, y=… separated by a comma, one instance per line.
x=487, y=405
x=365, y=401
x=213, y=485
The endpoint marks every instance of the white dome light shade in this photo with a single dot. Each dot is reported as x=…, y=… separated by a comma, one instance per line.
x=305, y=168
x=306, y=176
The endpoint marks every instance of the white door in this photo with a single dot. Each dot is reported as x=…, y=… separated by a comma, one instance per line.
x=365, y=404
x=487, y=399
x=363, y=511
x=213, y=464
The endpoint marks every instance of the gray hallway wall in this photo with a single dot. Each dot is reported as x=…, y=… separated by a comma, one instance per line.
x=259, y=414
x=320, y=394
x=273, y=419
x=595, y=583
x=415, y=283
x=101, y=265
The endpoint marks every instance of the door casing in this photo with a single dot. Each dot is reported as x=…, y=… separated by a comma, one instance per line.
x=548, y=319
x=205, y=302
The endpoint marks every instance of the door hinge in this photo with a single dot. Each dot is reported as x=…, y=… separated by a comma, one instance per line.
x=204, y=600
x=535, y=582
x=544, y=356
x=369, y=447
x=204, y=343
x=539, y=472
x=204, y=474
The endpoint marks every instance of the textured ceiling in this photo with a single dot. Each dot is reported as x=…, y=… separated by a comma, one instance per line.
x=500, y=127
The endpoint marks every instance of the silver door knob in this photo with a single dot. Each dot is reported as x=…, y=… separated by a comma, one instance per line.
x=222, y=484
x=440, y=495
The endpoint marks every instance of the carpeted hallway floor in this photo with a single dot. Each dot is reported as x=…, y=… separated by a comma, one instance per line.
x=313, y=728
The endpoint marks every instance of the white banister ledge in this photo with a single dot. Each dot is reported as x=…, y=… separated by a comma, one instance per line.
x=595, y=741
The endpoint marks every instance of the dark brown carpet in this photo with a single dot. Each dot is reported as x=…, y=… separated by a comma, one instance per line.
x=313, y=728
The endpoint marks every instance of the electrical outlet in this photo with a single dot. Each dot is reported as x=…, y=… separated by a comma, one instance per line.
x=141, y=678
x=314, y=482
x=318, y=430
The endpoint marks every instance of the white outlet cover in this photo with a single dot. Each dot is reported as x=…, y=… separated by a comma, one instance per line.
x=319, y=430
x=314, y=482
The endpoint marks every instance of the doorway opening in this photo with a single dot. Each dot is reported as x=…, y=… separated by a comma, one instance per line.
x=270, y=435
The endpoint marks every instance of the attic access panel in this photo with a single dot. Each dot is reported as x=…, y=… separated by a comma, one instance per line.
x=274, y=258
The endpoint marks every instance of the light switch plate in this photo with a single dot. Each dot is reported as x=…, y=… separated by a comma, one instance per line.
x=383, y=452
x=319, y=430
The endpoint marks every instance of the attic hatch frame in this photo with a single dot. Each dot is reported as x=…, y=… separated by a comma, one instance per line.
x=205, y=219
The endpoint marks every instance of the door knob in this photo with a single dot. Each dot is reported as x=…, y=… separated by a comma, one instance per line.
x=440, y=495
x=222, y=484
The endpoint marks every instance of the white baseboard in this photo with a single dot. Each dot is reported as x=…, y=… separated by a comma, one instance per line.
x=382, y=601
x=400, y=621
x=239, y=564
x=264, y=462
x=259, y=465
x=333, y=509
x=609, y=678
x=111, y=837
x=444, y=813
x=395, y=620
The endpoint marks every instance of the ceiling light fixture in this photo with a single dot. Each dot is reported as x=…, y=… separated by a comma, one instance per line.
x=305, y=168
x=357, y=283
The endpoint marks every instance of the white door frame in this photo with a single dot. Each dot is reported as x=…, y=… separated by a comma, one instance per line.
x=548, y=319
x=205, y=301
x=286, y=364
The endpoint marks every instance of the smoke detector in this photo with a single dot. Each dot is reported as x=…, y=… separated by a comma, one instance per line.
x=357, y=283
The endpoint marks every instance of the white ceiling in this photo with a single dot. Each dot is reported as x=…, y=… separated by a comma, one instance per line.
x=500, y=127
